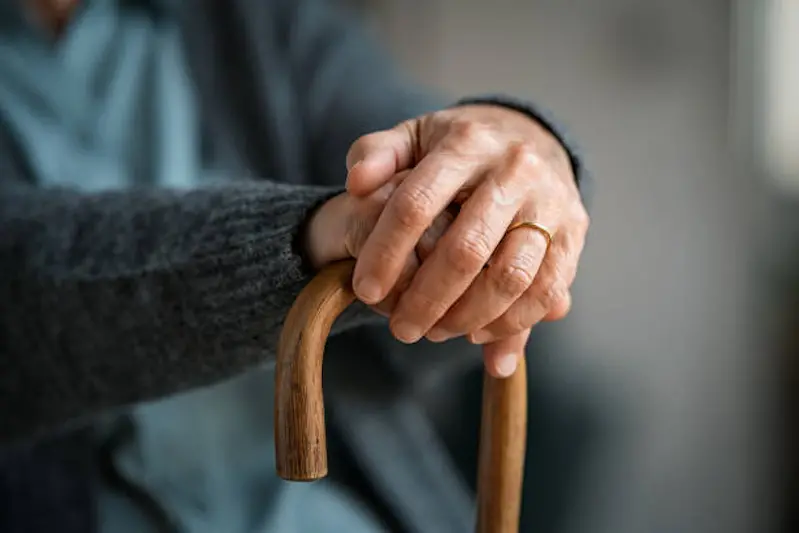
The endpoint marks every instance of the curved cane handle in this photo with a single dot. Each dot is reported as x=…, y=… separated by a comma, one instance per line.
x=300, y=440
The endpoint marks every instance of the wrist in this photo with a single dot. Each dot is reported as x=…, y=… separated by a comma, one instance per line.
x=324, y=231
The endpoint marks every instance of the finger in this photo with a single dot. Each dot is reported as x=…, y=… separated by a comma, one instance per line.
x=373, y=159
x=502, y=357
x=508, y=275
x=386, y=307
x=461, y=254
x=418, y=200
x=560, y=309
x=433, y=234
x=550, y=291
x=425, y=247
x=365, y=212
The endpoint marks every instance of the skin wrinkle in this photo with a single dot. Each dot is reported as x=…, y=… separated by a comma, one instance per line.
x=362, y=216
x=550, y=284
x=533, y=170
x=519, y=254
x=505, y=194
x=455, y=147
x=236, y=333
x=506, y=189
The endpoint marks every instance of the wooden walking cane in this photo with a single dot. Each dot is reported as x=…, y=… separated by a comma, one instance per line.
x=299, y=410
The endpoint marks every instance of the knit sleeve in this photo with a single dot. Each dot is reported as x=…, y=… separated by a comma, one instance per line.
x=114, y=298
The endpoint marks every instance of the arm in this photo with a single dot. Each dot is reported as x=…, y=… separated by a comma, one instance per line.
x=113, y=298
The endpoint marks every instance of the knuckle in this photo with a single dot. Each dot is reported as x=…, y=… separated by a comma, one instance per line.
x=421, y=307
x=562, y=309
x=413, y=207
x=523, y=160
x=582, y=219
x=464, y=129
x=512, y=278
x=470, y=133
x=551, y=293
x=470, y=253
x=382, y=258
x=558, y=190
x=525, y=156
x=510, y=323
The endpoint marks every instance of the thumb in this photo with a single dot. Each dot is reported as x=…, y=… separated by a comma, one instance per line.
x=502, y=357
x=375, y=158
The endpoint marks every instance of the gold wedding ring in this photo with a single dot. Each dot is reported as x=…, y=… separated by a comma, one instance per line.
x=535, y=226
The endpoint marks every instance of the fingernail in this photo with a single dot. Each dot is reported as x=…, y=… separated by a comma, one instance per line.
x=406, y=332
x=439, y=335
x=368, y=290
x=506, y=365
x=480, y=337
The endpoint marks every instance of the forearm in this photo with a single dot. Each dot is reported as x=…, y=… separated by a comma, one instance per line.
x=114, y=298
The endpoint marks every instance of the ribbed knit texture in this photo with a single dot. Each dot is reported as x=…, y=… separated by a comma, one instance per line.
x=110, y=299
x=192, y=286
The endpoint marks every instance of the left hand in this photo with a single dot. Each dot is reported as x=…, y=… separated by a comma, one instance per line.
x=500, y=167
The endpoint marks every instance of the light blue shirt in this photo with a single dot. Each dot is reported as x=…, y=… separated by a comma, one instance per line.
x=110, y=105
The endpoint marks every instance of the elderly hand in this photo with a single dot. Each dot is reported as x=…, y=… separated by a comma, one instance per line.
x=340, y=227
x=501, y=168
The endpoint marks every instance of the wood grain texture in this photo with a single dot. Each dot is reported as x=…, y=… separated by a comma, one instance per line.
x=503, y=441
x=300, y=440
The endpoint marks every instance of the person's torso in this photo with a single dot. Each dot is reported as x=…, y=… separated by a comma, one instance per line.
x=112, y=105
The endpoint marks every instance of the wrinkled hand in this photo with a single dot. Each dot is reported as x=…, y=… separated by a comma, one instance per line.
x=340, y=227
x=500, y=167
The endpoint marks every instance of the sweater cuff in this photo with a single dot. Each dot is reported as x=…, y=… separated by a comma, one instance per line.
x=299, y=243
x=252, y=255
x=253, y=263
x=544, y=117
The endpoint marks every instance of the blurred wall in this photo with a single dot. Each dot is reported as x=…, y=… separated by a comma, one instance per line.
x=781, y=69
x=663, y=316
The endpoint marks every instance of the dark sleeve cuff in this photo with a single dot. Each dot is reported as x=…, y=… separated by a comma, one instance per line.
x=299, y=243
x=545, y=118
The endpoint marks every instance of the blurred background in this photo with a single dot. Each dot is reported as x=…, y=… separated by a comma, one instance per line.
x=667, y=402
x=671, y=388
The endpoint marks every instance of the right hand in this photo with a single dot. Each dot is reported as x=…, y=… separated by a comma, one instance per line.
x=339, y=228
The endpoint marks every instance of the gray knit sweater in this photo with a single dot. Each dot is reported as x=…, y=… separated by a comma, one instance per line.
x=111, y=298
x=108, y=299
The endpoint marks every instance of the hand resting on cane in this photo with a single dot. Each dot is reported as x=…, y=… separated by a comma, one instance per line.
x=341, y=226
x=507, y=259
